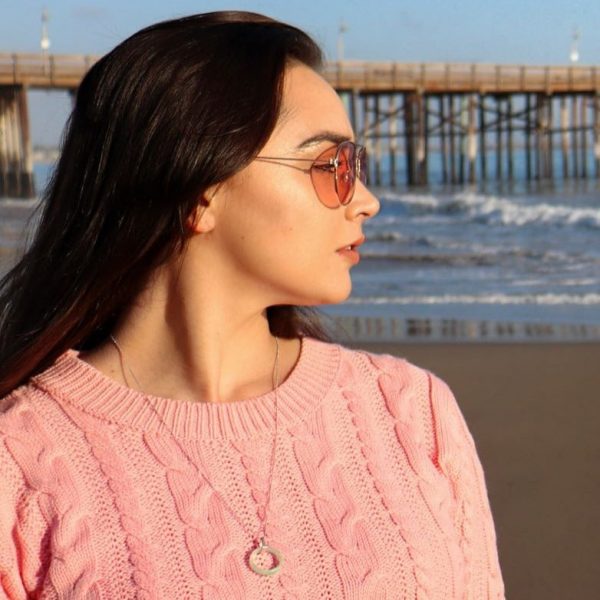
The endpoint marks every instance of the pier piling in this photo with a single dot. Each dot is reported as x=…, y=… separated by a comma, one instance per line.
x=421, y=123
x=16, y=160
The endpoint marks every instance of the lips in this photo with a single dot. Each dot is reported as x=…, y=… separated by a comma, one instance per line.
x=353, y=245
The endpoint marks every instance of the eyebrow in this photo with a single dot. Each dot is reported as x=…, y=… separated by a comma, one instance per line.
x=324, y=136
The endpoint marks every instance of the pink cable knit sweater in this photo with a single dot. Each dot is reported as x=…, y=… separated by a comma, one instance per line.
x=378, y=492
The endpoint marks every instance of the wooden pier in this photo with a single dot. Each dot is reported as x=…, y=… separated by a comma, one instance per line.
x=459, y=123
x=422, y=123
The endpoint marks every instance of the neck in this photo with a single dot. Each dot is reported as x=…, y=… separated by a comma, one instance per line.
x=218, y=354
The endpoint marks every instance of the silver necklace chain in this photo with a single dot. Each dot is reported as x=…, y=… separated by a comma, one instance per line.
x=260, y=538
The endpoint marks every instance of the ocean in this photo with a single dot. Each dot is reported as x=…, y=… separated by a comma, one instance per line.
x=517, y=253
x=520, y=253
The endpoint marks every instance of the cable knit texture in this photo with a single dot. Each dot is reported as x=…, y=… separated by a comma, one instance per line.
x=378, y=492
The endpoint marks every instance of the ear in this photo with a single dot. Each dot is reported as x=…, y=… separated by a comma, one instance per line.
x=202, y=218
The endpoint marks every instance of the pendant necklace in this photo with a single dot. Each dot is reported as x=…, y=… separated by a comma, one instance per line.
x=259, y=539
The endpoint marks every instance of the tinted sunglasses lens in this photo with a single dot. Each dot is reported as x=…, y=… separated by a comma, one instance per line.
x=335, y=186
x=346, y=176
x=323, y=178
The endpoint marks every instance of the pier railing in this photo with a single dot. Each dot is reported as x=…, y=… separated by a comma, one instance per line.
x=67, y=70
x=421, y=122
x=45, y=71
x=446, y=78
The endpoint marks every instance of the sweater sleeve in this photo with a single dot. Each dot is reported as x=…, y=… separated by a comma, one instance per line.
x=457, y=458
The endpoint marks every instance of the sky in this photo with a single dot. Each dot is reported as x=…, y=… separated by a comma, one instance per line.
x=499, y=31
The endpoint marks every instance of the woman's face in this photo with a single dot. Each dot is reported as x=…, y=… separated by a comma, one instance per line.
x=278, y=240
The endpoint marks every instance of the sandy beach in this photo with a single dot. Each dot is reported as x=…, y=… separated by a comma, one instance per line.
x=534, y=412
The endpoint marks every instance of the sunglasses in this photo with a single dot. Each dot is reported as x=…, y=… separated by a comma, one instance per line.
x=347, y=162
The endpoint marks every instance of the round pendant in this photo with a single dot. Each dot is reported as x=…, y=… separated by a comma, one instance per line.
x=273, y=552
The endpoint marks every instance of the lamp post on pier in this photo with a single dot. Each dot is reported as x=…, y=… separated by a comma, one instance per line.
x=45, y=39
x=574, y=54
x=340, y=41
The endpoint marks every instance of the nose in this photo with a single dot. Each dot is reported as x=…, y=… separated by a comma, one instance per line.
x=363, y=203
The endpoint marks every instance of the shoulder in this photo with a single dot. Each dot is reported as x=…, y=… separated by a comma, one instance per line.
x=18, y=415
x=394, y=390
x=416, y=399
x=393, y=373
x=28, y=417
x=397, y=377
x=38, y=398
x=14, y=433
x=14, y=405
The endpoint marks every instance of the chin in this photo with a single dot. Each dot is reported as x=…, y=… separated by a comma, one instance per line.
x=337, y=296
x=316, y=292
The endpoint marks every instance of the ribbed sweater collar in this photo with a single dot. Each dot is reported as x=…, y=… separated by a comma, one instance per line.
x=78, y=383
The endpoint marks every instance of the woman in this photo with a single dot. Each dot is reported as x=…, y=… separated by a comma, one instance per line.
x=176, y=423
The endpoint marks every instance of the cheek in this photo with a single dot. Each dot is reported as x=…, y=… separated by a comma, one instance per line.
x=274, y=215
x=246, y=233
x=283, y=236
x=289, y=242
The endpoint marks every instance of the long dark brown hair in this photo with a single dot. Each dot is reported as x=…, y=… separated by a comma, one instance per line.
x=175, y=108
